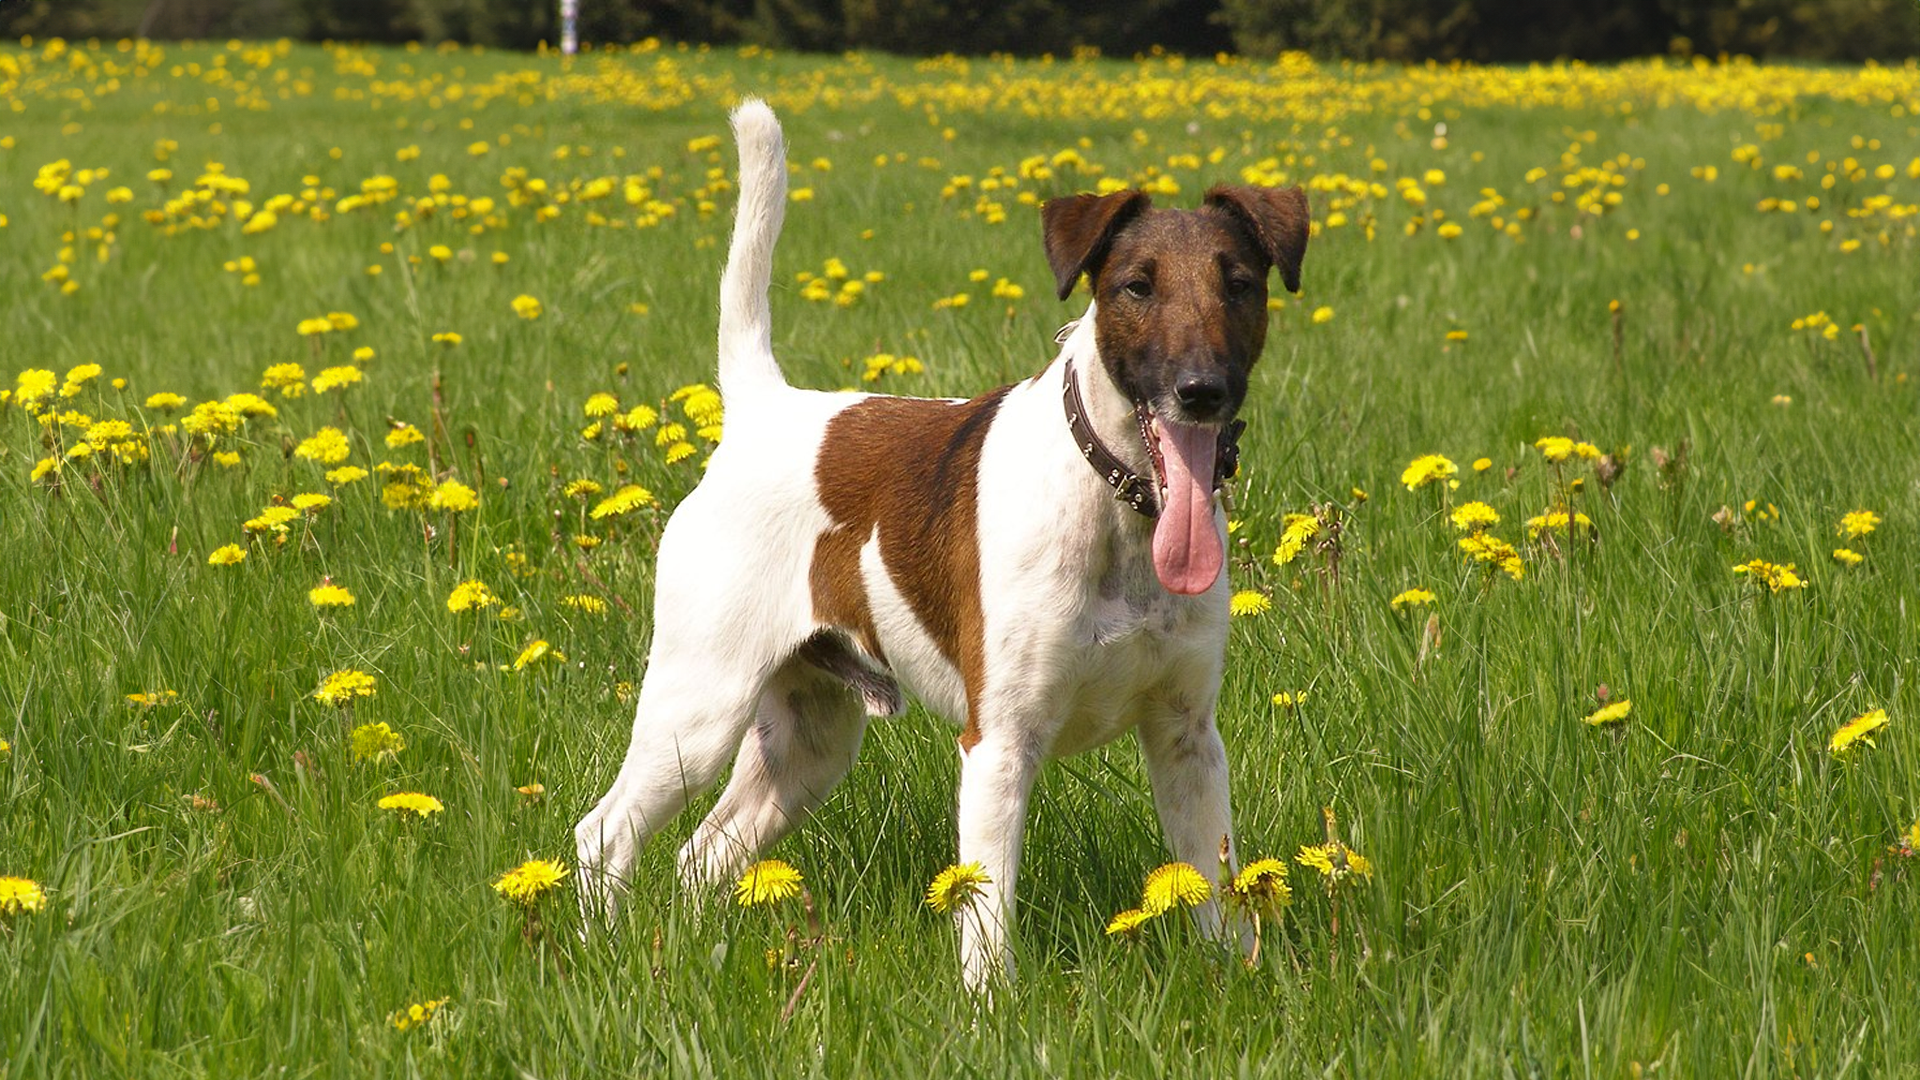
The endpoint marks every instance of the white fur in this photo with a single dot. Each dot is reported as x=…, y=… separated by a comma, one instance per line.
x=1082, y=642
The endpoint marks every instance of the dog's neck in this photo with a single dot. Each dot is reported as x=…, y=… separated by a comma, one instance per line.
x=1109, y=430
x=1111, y=417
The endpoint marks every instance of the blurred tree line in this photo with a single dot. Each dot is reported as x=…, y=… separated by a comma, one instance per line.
x=1480, y=30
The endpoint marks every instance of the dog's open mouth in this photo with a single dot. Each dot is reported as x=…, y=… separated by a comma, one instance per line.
x=1187, y=552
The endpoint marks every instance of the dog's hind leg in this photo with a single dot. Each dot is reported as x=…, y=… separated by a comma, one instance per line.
x=805, y=736
x=688, y=721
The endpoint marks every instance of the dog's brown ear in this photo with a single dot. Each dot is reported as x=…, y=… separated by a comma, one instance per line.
x=1279, y=220
x=1078, y=229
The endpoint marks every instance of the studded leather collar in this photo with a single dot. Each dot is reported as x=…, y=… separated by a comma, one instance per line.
x=1141, y=493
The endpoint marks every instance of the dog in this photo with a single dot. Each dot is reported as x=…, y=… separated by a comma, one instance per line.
x=1043, y=563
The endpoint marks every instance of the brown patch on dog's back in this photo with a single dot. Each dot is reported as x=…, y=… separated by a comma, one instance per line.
x=908, y=468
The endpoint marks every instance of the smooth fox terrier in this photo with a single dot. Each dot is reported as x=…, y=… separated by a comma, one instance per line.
x=1041, y=564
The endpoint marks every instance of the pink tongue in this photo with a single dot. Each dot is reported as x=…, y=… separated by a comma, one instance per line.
x=1186, y=543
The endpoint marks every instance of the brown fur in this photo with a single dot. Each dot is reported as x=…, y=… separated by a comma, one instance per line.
x=908, y=467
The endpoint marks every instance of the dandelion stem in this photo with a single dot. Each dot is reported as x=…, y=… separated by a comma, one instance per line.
x=793, y=1000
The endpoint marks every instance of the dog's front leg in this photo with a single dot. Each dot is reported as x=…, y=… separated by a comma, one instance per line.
x=1187, y=765
x=996, y=782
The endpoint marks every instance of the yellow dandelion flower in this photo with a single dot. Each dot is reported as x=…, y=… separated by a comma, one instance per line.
x=1296, y=530
x=345, y=474
x=272, y=519
x=343, y=686
x=403, y=434
x=212, y=419
x=1555, y=448
x=311, y=501
x=1411, y=598
x=413, y=1016
x=1428, y=469
x=526, y=307
x=33, y=386
x=151, y=698
x=626, y=500
x=601, y=404
x=1262, y=886
x=1249, y=602
x=289, y=379
x=1474, y=517
x=453, y=497
x=1482, y=464
x=1322, y=314
x=1495, y=552
x=328, y=446
x=336, y=378
x=581, y=489
x=1858, y=730
x=469, y=595
x=956, y=886
x=328, y=594
x=1128, y=924
x=1615, y=713
x=447, y=338
x=227, y=555
x=248, y=405
x=1776, y=577
x=767, y=882
x=1848, y=557
x=1858, y=523
x=165, y=402
x=1174, y=883
x=21, y=896
x=535, y=652
x=77, y=379
x=702, y=405
x=526, y=883
x=411, y=802
x=1335, y=861
x=374, y=742
x=591, y=605
x=1559, y=519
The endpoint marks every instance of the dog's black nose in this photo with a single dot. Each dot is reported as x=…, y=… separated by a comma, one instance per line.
x=1201, y=393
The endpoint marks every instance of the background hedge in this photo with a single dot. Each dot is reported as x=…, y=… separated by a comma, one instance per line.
x=1481, y=30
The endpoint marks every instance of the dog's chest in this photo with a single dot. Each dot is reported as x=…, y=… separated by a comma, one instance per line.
x=1141, y=654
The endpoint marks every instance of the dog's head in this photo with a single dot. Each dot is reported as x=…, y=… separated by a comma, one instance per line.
x=1181, y=295
x=1180, y=318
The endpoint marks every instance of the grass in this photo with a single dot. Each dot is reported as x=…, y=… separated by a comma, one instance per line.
x=1709, y=890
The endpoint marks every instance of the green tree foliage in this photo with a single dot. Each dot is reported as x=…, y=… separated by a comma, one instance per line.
x=1480, y=30
x=1516, y=31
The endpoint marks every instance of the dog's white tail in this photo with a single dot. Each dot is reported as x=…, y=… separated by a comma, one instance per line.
x=746, y=318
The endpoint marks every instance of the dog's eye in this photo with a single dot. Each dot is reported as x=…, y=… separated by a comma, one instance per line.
x=1138, y=288
x=1239, y=288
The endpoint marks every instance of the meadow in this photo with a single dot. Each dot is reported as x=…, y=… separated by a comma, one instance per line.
x=345, y=392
